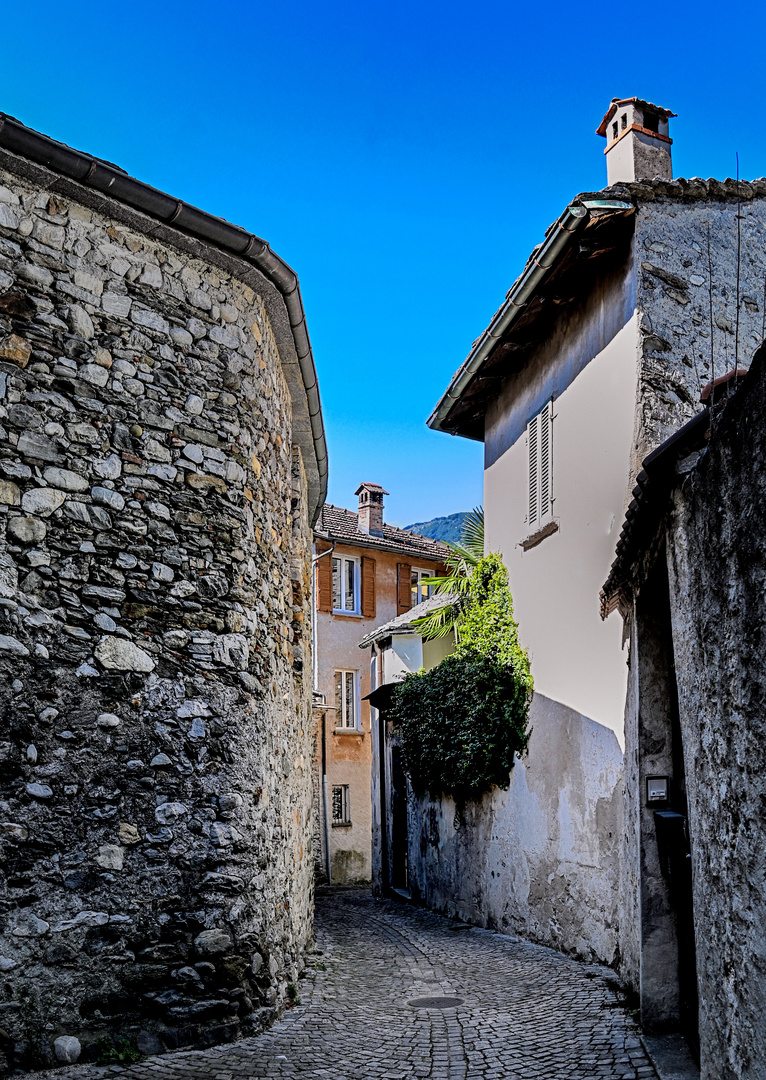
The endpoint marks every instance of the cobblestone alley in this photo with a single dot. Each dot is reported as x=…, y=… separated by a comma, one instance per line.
x=518, y=1011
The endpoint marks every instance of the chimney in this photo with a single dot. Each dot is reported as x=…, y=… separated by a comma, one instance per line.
x=371, y=508
x=637, y=141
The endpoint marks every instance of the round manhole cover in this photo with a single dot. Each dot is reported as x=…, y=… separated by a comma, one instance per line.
x=435, y=1002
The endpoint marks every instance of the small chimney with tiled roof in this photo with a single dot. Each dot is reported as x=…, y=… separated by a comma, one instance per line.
x=371, y=508
x=637, y=141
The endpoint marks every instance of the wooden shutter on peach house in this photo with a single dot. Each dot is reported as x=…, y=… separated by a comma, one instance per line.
x=403, y=587
x=368, y=587
x=324, y=579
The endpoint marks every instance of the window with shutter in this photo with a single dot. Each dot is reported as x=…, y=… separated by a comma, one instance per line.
x=418, y=591
x=368, y=587
x=403, y=587
x=324, y=579
x=540, y=446
x=345, y=584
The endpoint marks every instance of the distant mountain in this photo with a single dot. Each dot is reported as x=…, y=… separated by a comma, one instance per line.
x=441, y=528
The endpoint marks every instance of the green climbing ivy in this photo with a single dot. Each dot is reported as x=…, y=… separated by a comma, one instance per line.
x=462, y=724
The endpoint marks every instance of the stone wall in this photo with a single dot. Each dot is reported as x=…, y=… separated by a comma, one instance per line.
x=687, y=251
x=155, y=740
x=717, y=578
x=542, y=858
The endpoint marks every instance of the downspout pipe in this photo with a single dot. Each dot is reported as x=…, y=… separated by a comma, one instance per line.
x=324, y=800
x=115, y=183
x=545, y=257
x=315, y=672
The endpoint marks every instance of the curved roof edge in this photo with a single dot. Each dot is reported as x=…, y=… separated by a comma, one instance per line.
x=185, y=220
x=542, y=260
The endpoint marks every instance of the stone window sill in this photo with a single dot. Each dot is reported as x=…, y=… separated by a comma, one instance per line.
x=537, y=537
x=347, y=614
x=341, y=824
x=347, y=731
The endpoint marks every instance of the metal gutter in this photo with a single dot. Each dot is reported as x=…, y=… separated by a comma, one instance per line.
x=115, y=183
x=543, y=260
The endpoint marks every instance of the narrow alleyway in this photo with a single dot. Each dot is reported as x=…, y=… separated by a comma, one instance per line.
x=508, y=1010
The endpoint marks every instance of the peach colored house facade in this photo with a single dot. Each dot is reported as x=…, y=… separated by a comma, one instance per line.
x=365, y=573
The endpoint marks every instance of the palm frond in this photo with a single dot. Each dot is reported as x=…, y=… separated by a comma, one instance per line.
x=437, y=623
x=461, y=561
x=472, y=533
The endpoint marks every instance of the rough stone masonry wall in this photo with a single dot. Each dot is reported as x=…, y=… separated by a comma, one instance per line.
x=155, y=728
x=717, y=585
x=687, y=294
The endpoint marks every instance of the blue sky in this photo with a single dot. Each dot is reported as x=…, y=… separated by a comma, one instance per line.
x=403, y=158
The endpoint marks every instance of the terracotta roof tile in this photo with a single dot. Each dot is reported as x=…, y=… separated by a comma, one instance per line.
x=341, y=525
x=617, y=102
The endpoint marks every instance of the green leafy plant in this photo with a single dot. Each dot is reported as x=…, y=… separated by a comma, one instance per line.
x=462, y=724
x=117, y=1052
x=292, y=994
x=455, y=585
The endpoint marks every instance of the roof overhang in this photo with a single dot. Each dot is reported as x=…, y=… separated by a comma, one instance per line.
x=107, y=188
x=559, y=273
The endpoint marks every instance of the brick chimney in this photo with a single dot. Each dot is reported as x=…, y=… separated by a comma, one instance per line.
x=637, y=141
x=371, y=508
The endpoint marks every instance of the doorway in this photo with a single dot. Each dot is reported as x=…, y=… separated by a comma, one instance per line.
x=669, y=996
x=399, y=839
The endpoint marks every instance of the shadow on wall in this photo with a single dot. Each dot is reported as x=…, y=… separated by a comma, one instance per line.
x=541, y=859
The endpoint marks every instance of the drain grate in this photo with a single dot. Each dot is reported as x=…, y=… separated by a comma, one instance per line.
x=435, y=1002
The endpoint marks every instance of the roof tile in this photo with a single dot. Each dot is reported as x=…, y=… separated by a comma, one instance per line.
x=341, y=525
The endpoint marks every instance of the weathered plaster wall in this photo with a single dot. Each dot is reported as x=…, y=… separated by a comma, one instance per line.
x=542, y=858
x=155, y=731
x=717, y=578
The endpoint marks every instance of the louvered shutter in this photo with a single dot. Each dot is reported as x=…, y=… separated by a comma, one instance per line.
x=403, y=587
x=540, y=445
x=533, y=438
x=368, y=587
x=545, y=460
x=324, y=580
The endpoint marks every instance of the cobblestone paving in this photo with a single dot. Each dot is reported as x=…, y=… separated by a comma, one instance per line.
x=527, y=1013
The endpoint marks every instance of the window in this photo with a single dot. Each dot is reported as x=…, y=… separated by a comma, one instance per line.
x=615, y=130
x=651, y=121
x=346, y=706
x=345, y=585
x=540, y=444
x=341, y=805
x=624, y=121
x=420, y=592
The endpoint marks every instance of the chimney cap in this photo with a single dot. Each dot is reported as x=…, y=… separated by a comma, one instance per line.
x=617, y=102
x=371, y=487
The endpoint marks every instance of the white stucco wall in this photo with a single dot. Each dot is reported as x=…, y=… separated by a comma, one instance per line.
x=540, y=858
x=404, y=655
x=577, y=659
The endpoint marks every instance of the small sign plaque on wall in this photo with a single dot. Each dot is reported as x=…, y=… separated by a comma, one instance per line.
x=657, y=790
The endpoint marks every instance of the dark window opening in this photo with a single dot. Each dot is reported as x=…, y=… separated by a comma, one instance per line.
x=341, y=808
x=624, y=121
x=651, y=121
x=615, y=130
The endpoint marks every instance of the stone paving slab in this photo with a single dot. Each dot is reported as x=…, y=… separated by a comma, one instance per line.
x=526, y=1012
